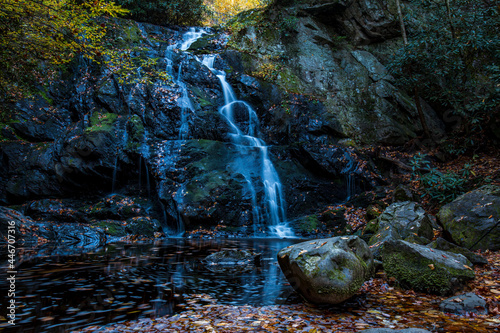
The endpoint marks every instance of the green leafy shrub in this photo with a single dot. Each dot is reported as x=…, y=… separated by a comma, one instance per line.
x=440, y=187
x=452, y=59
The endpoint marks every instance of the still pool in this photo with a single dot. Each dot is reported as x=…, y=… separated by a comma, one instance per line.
x=60, y=289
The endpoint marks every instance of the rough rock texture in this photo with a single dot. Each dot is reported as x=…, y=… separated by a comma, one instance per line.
x=403, y=193
x=401, y=220
x=464, y=305
x=471, y=218
x=424, y=269
x=444, y=245
x=327, y=271
x=316, y=57
x=364, y=21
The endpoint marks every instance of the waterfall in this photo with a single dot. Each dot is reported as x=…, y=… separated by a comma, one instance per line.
x=168, y=155
x=190, y=37
x=348, y=172
x=271, y=208
x=186, y=107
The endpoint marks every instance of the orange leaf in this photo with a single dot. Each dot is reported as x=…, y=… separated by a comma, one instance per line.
x=431, y=266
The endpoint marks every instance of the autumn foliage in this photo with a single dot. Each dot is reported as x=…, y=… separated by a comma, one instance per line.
x=220, y=11
x=37, y=36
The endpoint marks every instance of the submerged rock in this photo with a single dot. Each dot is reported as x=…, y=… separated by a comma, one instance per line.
x=232, y=261
x=233, y=257
x=472, y=219
x=424, y=269
x=327, y=271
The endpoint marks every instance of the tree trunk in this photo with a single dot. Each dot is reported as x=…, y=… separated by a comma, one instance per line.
x=421, y=115
x=450, y=22
x=416, y=95
x=402, y=22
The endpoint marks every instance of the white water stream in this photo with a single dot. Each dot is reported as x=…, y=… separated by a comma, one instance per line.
x=269, y=210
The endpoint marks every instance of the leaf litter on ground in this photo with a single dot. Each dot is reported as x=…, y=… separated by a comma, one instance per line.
x=379, y=303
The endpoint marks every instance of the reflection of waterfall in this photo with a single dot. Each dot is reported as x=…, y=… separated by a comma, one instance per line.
x=243, y=123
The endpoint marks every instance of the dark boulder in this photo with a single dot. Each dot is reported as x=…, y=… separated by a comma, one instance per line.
x=465, y=304
x=472, y=219
x=444, y=245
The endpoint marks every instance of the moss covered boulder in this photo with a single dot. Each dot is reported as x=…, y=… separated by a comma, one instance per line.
x=471, y=218
x=327, y=271
x=424, y=269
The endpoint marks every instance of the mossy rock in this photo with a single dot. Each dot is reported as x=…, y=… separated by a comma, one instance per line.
x=327, y=271
x=471, y=218
x=102, y=122
x=112, y=227
x=425, y=270
x=142, y=226
x=371, y=227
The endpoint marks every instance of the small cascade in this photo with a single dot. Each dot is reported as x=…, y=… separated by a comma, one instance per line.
x=184, y=101
x=144, y=156
x=186, y=107
x=243, y=123
x=190, y=37
x=348, y=172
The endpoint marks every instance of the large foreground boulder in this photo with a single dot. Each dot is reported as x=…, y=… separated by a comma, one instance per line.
x=424, y=269
x=327, y=271
x=471, y=218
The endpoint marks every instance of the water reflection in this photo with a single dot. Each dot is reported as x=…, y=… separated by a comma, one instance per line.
x=57, y=292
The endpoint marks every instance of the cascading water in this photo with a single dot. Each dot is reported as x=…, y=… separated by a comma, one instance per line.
x=186, y=107
x=270, y=208
x=190, y=37
x=348, y=172
x=184, y=102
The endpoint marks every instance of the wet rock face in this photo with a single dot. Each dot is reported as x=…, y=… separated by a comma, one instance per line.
x=327, y=271
x=31, y=233
x=471, y=219
x=355, y=95
x=104, y=135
